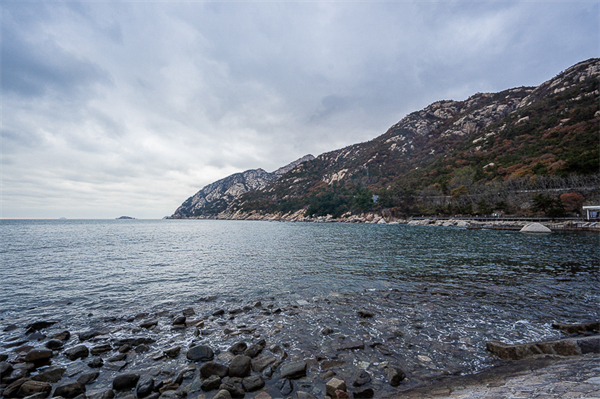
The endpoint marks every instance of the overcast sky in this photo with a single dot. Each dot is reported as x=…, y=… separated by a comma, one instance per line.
x=128, y=108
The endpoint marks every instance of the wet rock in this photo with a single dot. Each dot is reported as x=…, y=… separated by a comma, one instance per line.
x=115, y=366
x=77, y=352
x=222, y=394
x=13, y=388
x=333, y=385
x=395, y=375
x=39, y=325
x=86, y=378
x=52, y=375
x=188, y=312
x=171, y=395
x=238, y=348
x=134, y=341
x=263, y=395
x=68, y=391
x=253, y=350
x=96, y=363
x=285, y=386
x=117, y=358
x=211, y=383
x=124, y=382
x=218, y=312
x=5, y=369
x=35, y=387
x=240, y=366
x=173, y=351
x=142, y=348
x=260, y=363
x=144, y=387
x=234, y=390
x=38, y=355
x=305, y=395
x=98, y=349
x=3, y=357
x=104, y=394
x=54, y=344
x=363, y=393
x=292, y=370
x=365, y=313
x=125, y=348
x=213, y=368
x=84, y=336
x=149, y=323
x=179, y=320
x=10, y=327
x=62, y=336
x=36, y=336
x=201, y=353
x=327, y=331
x=361, y=377
x=253, y=383
x=349, y=344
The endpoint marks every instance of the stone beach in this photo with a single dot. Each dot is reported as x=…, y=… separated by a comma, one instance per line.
x=378, y=344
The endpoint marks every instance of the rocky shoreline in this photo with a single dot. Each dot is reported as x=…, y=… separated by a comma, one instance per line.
x=337, y=346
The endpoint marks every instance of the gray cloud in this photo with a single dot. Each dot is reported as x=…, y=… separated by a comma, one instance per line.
x=114, y=108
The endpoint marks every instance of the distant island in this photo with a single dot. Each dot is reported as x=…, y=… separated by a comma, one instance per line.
x=125, y=217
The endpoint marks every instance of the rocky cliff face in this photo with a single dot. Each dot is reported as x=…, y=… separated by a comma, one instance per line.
x=216, y=197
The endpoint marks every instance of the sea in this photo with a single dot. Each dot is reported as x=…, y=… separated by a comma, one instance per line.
x=436, y=294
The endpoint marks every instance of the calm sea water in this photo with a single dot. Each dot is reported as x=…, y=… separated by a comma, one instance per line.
x=108, y=265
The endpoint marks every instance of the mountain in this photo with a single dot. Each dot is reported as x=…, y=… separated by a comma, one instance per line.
x=503, y=151
x=216, y=197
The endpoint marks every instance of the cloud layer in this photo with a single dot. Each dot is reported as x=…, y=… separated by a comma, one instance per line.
x=112, y=108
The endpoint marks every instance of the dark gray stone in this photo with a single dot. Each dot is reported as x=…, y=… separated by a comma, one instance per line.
x=363, y=393
x=285, y=386
x=235, y=391
x=222, y=394
x=124, y=382
x=238, y=348
x=253, y=350
x=39, y=325
x=38, y=355
x=84, y=336
x=69, y=391
x=292, y=370
x=149, y=323
x=52, y=375
x=349, y=344
x=98, y=349
x=305, y=395
x=211, y=383
x=77, y=352
x=201, y=353
x=35, y=387
x=62, y=336
x=361, y=377
x=105, y=394
x=119, y=357
x=261, y=363
x=86, y=378
x=145, y=386
x=395, y=375
x=212, y=368
x=179, y=320
x=96, y=363
x=253, y=383
x=172, y=351
x=589, y=344
x=240, y=366
x=5, y=369
x=54, y=344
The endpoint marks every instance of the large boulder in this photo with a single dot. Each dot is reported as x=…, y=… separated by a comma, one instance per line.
x=212, y=368
x=124, y=382
x=35, y=387
x=240, y=366
x=535, y=228
x=200, y=353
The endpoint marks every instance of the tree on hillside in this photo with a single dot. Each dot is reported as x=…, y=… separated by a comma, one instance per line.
x=572, y=202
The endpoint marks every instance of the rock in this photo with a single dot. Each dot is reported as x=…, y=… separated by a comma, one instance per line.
x=395, y=375
x=535, y=228
x=213, y=368
x=144, y=387
x=581, y=328
x=292, y=370
x=240, y=366
x=13, y=388
x=104, y=394
x=124, y=382
x=35, y=387
x=38, y=325
x=200, y=353
x=5, y=369
x=84, y=336
x=171, y=394
x=96, y=350
x=333, y=385
x=96, y=363
x=254, y=350
x=234, y=390
x=52, y=375
x=134, y=341
x=363, y=393
x=173, y=351
x=115, y=366
x=211, y=383
x=36, y=336
x=3, y=357
x=125, y=348
x=218, y=312
x=68, y=391
x=365, y=313
x=361, y=377
x=141, y=348
x=188, y=312
x=253, y=383
x=349, y=344
x=285, y=386
x=38, y=355
x=148, y=323
x=305, y=395
x=86, y=378
x=222, y=394
x=327, y=331
x=259, y=364
x=179, y=320
x=238, y=348
x=263, y=395
x=77, y=352
x=339, y=394
x=10, y=327
x=54, y=344
x=117, y=358
x=62, y=336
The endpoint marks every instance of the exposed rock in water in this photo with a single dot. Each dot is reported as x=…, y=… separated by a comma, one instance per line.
x=77, y=352
x=200, y=353
x=124, y=382
x=71, y=390
x=293, y=370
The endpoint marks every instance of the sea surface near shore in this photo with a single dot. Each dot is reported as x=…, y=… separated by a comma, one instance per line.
x=435, y=295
